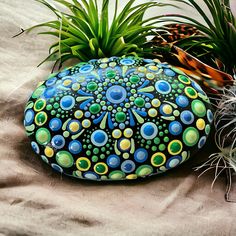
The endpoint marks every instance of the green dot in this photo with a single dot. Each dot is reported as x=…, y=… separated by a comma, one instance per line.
x=111, y=74
x=53, y=112
x=161, y=134
x=117, y=174
x=40, y=104
x=95, y=108
x=94, y=158
x=207, y=129
x=120, y=117
x=154, y=148
x=64, y=159
x=56, y=105
x=95, y=150
x=183, y=78
x=43, y=136
x=134, y=79
x=49, y=107
x=83, y=164
x=158, y=160
x=166, y=139
x=156, y=140
x=90, y=146
x=139, y=102
x=198, y=108
x=144, y=170
x=103, y=149
x=100, y=168
x=102, y=156
x=88, y=153
x=190, y=136
x=92, y=86
x=162, y=147
x=40, y=118
x=38, y=92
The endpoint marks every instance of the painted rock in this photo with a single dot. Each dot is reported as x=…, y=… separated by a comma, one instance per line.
x=117, y=118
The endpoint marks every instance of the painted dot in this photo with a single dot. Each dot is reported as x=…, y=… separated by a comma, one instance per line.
x=158, y=159
x=144, y=170
x=86, y=68
x=99, y=138
x=39, y=104
x=29, y=117
x=128, y=166
x=92, y=86
x=49, y=92
x=116, y=133
x=128, y=133
x=64, y=159
x=134, y=79
x=48, y=151
x=101, y=168
x=55, y=124
x=35, y=147
x=127, y=61
x=182, y=101
x=90, y=175
x=166, y=109
x=184, y=79
x=198, y=108
x=67, y=102
x=156, y=102
x=75, y=147
x=200, y=123
x=201, y=142
x=140, y=155
x=117, y=175
x=139, y=102
x=74, y=126
x=57, y=168
x=187, y=117
x=149, y=130
x=190, y=136
x=152, y=112
x=207, y=129
x=58, y=141
x=116, y=94
x=175, y=147
x=95, y=108
x=169, y=72
x=175, y=128
x=43, y=136
x=78, y=114
x=86, y=123
x=173, y=162
x=163, y=87
x=190, y=92
x=113, y=161
x=124, y=144
x=209, y=115
x=83, y=163
x=41, y=118
x=120, y=117
x=110, y=74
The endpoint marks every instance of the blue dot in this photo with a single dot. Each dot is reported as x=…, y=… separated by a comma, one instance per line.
x=63, y=73
x=49, y=92
x=29, y=117
x=57, y=167
x=209, y=115
x=58, y=141
x=140, y=155
x=75, y=147
x=35, y=147
x=86, y=68
x=201, y=142
x=51, y=81
x=173, y=162
x=55, y=124
x=175, y=128
x=116, y=94
x=127, y=61
x=113, y=161
x=187, y=117
x=90, y=175
x=67, y=102
x=148, y=130
x=169, y=72
x=128, y=166
x=163, y=87
x=182, y=101
x=99, y=138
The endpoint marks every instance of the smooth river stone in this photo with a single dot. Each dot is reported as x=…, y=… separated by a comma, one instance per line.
x=117, y=118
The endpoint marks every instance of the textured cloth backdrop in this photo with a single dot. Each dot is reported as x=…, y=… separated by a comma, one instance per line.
x=36, y=201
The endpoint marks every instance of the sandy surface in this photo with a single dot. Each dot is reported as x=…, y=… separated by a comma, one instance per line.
x=36, y=201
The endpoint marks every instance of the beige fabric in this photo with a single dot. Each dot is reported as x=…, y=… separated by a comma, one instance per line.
x=36, y=201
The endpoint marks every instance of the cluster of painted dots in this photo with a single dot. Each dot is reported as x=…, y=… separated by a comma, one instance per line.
x=117, y=118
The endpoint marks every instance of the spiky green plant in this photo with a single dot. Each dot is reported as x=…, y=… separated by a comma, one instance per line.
x=84, y=32
x=218, y=28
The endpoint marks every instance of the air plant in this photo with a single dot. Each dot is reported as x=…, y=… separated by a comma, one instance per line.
x=85, y=32
x=217, y=39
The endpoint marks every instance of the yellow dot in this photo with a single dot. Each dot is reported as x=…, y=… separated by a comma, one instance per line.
x=67, y=82
x=126, y=155
x=125, y=144
x=78, y=114
x=116, y=133
x=75, y=86
x=86, y=123
x=156, y=102
x=128, y=133
x=152, y=112
x=200, y=124
x=131, y=176
x=153, y=67
x=48, y=151
x=167, y=109
x=74, y=126
x=150, y=76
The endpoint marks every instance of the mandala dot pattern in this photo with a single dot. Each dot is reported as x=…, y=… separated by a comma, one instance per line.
x=117, y=118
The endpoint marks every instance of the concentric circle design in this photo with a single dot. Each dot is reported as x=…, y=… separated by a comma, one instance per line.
x=117, y=119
